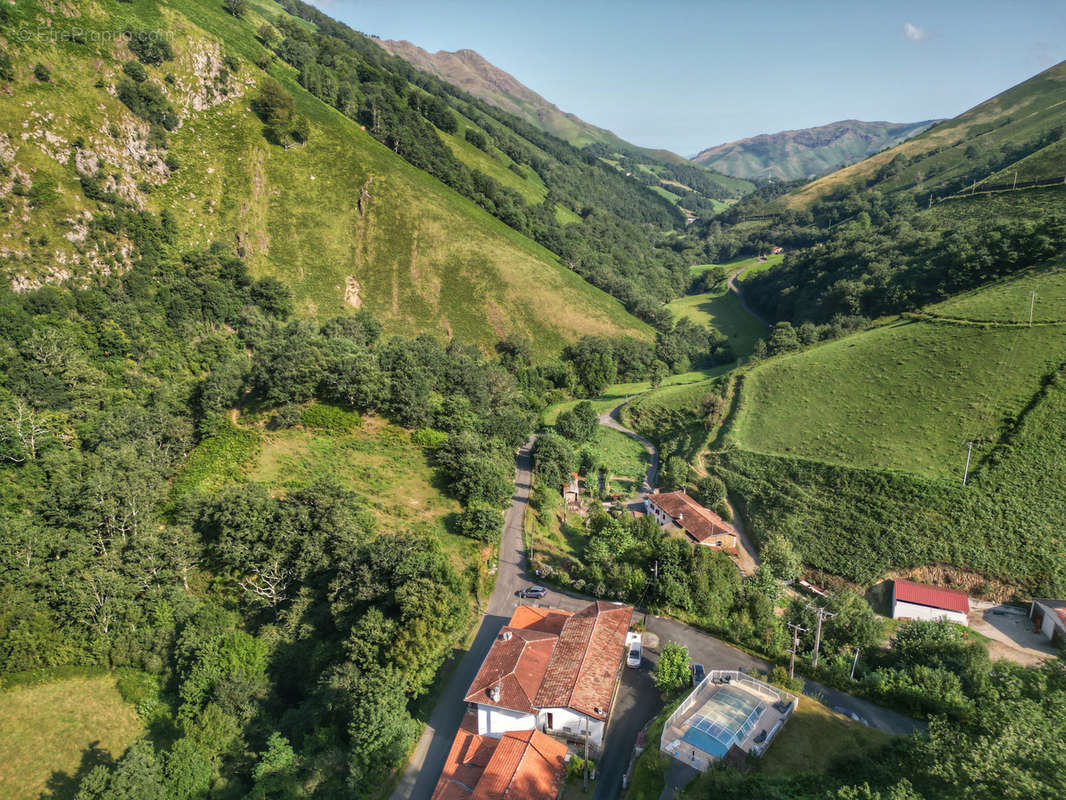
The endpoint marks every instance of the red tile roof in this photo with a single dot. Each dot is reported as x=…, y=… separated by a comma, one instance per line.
x=698, y=522
x=527, y=765
x=549, y=620
x=466, y=762
x=925, y=595
x=516, y=663
x=582, y=671
x=521, y=765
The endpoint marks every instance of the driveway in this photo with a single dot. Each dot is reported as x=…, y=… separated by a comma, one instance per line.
x=1010, y=632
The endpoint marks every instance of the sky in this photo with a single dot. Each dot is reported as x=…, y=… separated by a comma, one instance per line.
x=686, y=75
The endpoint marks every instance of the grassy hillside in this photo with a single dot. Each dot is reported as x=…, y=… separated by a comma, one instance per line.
x=806, y=153
x=855, y=448
x=343, y=220
x=982, y=145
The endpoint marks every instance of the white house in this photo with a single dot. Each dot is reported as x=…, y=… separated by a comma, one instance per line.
x=701, y=525
x=552, y=671
x=912, y=600
x=1050, y=617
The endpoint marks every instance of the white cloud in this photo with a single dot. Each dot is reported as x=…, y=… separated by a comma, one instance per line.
x=914, y=33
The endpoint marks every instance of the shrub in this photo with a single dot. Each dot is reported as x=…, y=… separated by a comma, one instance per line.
x=149, y=46
x=135, y=71
x=235, y=7
x=428, y=438
x=476, y=138
x=330, y=418
x=7, y=69
x=481, y=522
x=148, y=102
x=672, y=670
x=42, y=73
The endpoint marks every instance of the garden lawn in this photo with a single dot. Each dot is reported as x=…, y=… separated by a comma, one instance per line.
x=624, y=459
x=814, y=737
x=49, y=732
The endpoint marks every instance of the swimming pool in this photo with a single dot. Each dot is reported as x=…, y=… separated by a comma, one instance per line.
x=723, y=720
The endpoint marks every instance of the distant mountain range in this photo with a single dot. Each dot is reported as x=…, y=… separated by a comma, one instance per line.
x=808, y=152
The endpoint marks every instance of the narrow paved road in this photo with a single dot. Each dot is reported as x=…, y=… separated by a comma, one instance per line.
x=744, y=303
x=612, y=419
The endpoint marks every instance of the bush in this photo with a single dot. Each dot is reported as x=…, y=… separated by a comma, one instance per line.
x=672, y=670
x=428, y=438
x=148, y=102
x=476, y=138
x=135, y=71
x=710, y=490
x=149, y=46
x=481, y=522
x=42, y=73
x=330, y=418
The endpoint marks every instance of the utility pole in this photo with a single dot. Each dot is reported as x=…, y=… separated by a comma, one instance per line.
x=821, y=614
x=1032, y=302
x=795, y=646
x=1015, y=186
x=854, y=663
x=966, y=471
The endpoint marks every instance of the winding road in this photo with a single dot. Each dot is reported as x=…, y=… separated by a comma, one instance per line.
x=744, y=303
x=612, y=419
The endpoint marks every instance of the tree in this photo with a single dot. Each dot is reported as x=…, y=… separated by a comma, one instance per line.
x=710, y=490
x=483, y=523
x=672, y=670
x=275, y=772
x=578, y=424
x=778, y=554
x=553, y=460
x=42, y=73
x=235, y=7
x=658, y=373
x=676, y=473
x=783, y=339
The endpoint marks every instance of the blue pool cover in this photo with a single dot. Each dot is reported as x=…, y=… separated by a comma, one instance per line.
x=705, y=742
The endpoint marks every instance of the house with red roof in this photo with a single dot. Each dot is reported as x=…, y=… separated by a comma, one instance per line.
x=519, y=765
x=552, y=671
x=676, y=510
x=1049, y=617
x=912, y=600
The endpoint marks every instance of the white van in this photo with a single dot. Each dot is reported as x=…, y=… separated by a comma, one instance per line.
x=633, y=646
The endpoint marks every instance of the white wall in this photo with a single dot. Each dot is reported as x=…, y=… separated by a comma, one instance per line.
x=575, y=721
x=493, y=721
x=904, y=610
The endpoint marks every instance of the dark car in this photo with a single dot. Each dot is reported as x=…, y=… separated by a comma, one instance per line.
x=534, y=592
x=698, y=674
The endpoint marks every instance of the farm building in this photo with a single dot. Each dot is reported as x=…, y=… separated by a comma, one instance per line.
x=728, y=715
x=678, y=510
x=552, y=671
x=1049, y=617
x=912, y=600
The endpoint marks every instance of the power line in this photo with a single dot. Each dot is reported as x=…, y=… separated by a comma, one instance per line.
x=821, y=614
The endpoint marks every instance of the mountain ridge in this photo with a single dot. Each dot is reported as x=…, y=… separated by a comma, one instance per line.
x=807, y=152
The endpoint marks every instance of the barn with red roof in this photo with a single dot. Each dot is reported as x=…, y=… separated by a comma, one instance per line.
x=912, y=600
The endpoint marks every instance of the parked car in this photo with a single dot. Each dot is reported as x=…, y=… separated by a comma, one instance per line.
x=698, y=674
x=633, y=642
x=534, y=592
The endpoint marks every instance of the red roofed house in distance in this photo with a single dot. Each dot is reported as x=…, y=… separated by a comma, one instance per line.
x=912, y=600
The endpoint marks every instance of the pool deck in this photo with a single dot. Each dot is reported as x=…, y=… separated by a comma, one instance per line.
x=770, y=721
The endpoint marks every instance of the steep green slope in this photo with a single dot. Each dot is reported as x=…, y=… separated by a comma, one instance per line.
x=855, y=449
x=342, y=219
x=806, y=153
x=977, y=147
x=470, y=71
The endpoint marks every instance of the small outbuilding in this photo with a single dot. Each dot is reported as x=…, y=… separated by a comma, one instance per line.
x=912, y=600
x=1049, y=617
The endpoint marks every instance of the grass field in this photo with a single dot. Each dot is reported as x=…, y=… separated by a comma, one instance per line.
x=617, y=393
x=52, y=732
x=905, y=396
x=814, y=737
x=1010, y=300
x=722, y=310
x=624, y=459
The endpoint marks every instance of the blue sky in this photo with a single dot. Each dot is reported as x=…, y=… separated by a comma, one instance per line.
x=686, y=75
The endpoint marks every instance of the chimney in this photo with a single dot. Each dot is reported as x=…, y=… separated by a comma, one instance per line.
x=506, y=636
x=680, y=517
x=494, y=693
